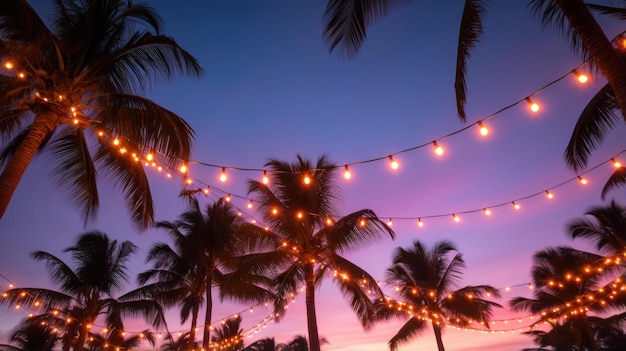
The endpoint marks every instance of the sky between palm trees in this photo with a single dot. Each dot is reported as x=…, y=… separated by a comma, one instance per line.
x=271, y=89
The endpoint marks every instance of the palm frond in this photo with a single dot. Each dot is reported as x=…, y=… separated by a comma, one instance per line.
x=607, y=229
x=469, y=35
x=617, y=12
x=596, y=120
x=616, y=181
x=348, y=233
x=412, y=328
x=550, y=14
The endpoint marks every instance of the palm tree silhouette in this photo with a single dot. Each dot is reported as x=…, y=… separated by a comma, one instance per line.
x=87, y=288
x=205, y=253
x=228, y=336
x=306, y=239
x=32, y=334
x=63, y=87
x=426, y=278
x=179, y=344
x=606, y=228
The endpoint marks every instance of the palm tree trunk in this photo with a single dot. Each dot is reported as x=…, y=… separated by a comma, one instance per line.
x=437, y=330
x=311, y=318
x=82, y=336
x=194, y=324
x=16, y=167
x=607, y=58
x=207, y=319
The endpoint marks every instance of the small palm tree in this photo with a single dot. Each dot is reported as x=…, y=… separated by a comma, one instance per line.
x=267, y=344
x=228, y=336
x=425, y=279
x=551, y=299
x=205, y=252
x=306, y=239
x=32, y=334
x=606, y=228
x=87, y=288
x=70, y=93
x=179, y=344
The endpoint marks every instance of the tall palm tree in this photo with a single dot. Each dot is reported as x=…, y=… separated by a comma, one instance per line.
x=606, y=228
x=87, y=287
x=228, y=336
x=70, y=92
x=32, y=334
x=426, y=279
x=307, y=239
x=346, y=22
x=554, y=294
x=205, y=252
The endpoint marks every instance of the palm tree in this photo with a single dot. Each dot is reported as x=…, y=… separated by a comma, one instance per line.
x=228, y=336
x=345, y=27
x=32, y=334
x=425, y=280
x=180, y=344
x=267, y=344
x=205, y=253
x=308, y=240
x=88, y=286
x=70, y=93
x=606, y=229
x=554, y=293
x=561, y=337
x=116, y=339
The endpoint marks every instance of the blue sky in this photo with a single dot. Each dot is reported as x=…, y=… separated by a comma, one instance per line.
x=271, y=89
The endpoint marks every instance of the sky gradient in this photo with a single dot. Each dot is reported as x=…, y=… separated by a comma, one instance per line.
x=272, y=89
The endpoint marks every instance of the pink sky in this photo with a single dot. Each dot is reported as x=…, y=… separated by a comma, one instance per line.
x=271, y=89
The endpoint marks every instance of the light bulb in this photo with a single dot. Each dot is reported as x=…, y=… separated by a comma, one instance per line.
x=420, y=223
x=306, y=179
x=515, y=205
x=223, y=176
x=362, y=222
x=456, y=218
x=616, y=163
x=188, y=181
x=549, y=195
x=149, y=156
x=206, y=190
x=266, y=179
x=183, y=168
x=438, y=148
x=487, y=211
x=393, y=163
x=389, y=222
x=116, y=141
x=250, y=204
x=483, y=130
x=582, y=180
x=227, y=198
x=533, y=105
x=8, y=65
x=274, y=211
x=581, y=77
x=346, y=172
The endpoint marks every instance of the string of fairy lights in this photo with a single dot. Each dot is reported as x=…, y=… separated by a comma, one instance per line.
x=580, y=305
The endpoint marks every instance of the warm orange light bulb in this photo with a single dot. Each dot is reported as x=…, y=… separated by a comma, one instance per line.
x=438, y=149
x=581, y=77
x=362, y=222
x=582, y=180
x=393, y=163
x=206, y=190
x=8, y=65
x=21, y=75
x=189, y=181
x=116, y=141
x=250, y=204
x=420, y=223
x=346, y=172
x=223, y=176
x=533, y=105
x=616, y=163
x=306, y=179
x=483, y=130
x=149, y=156
x=227, y=198
x=515, y=205
x=266, y=179
x=456, y=218
x=389, y=222
x=274, y=211
x=549, y=195
x=487, y=211
x=183, y=168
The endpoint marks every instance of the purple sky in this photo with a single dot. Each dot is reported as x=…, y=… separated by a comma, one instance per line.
x=271, y=89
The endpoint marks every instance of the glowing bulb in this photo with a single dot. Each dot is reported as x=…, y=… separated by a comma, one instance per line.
x=581, y=77
x=582, y=180
x=616, y=163
x=21, y=75
x=456, y=218
x=420, y=223
x=549, y=195
x=515, y=205
x=116, y=141
x=206, y=190
x=8, y=65
x=393, y=163
x=299, y=215
x=266, y=179
x=183, y=168
x=362, y=222
x=487, y=211
x=274, y=211
x=438, y=148
x=533, y=105
x=223, y=176
x=483, y=130
x=389, y=222
x=250, y=204
x=346, y=172
x=189, y=181
x=227, y=198
x=329, y=221
x=306, y=179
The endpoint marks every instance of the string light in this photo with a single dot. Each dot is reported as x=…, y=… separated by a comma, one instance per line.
x=533, y=105
x=582, y=180
x=393, y=163
x=616, y=163
x=582, y=78
x=549, y=195
x=389, y=222
x=223, y=176
x=515, y=205
x=420, y=223
x=487, y=211
x=482, y=128
x=183, y=168
x=456, y=218
x=266, y=179
x=346, y=172
x=438, y=149
x=306, y=179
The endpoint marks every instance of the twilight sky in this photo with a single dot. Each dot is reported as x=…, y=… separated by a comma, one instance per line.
x=271, y=89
